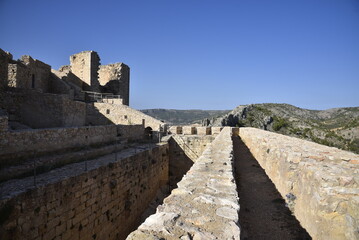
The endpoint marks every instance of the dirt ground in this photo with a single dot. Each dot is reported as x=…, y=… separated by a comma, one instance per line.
x=263, y=214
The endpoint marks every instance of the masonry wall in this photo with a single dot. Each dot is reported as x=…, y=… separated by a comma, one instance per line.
x=85, y=66
x=115, y=79
x=39, y=74
x=205, y=204
x=103, y=203
x=23, y=143
x=40, y=110
x=105, y=113
x=320, y=184
x=4, y=60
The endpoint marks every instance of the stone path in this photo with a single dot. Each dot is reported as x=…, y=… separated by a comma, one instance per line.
x=205, y=204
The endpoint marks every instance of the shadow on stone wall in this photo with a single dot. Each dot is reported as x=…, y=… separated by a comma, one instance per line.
x=263, y=213
x=179, y=163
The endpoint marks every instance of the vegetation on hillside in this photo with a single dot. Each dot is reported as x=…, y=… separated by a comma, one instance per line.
x=183, y=117
x=334, y=127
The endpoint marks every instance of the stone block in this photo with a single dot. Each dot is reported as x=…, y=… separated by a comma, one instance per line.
x=189, y=130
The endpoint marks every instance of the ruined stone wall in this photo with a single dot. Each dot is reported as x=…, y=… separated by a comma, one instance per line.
x=58, y=85
x=320, y=184
x=5, y=57
x=115, y=78
x=105, y=202
x=105, y=113
x=39, y=74
x=205, y=204
x=85, y=66
x=40, y=110
x=19, y=76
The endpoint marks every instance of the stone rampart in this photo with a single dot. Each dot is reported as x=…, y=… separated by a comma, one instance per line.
x=105, y=113
x=5, y=57
x=205, y=204
x=320, y=184
x=22, y=144
x=115, y=79
x=104, y=202
x=43, y=110
x=85, y=66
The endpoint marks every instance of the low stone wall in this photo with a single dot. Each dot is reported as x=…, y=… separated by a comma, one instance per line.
x=320, y=184
x=105, y=202
x=190, y=130
x=106, y=113
x=23, y=143
x=205, y=204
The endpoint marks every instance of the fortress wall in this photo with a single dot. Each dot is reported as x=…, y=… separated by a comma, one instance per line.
x=105, y=113
x=5, y=57
x=85, y=66
x=184, y=151
x=105, y=202
x=205, y=204
x=39, y=73
x=115, y=78
x=23, y=143
x=320, y=184
x=43, y=110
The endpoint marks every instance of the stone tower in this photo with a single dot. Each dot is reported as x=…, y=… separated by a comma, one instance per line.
x=115, y=79
x=85, y=66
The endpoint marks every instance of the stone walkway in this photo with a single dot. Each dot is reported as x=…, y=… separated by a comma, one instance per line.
x=205, y=204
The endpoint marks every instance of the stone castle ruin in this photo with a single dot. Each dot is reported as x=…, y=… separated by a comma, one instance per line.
x=76, y=162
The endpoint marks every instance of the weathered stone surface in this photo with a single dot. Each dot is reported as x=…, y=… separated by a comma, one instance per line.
x=319, y=183
x=115, y=79
x=103, y=199
x=205, y=204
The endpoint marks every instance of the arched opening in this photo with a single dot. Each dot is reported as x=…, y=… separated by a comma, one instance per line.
x=148, y=133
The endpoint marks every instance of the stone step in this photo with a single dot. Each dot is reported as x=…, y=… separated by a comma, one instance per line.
x=55, y=160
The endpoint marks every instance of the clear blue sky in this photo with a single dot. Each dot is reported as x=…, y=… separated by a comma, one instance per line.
x=202, y=54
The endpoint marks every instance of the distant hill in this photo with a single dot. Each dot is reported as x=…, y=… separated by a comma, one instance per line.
x=183, y=117
x=338, y=127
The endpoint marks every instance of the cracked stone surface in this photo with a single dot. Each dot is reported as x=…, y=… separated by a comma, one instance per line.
x=205, y=204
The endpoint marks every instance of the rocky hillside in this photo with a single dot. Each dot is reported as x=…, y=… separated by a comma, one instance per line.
x=183, y=117
x=338, y=127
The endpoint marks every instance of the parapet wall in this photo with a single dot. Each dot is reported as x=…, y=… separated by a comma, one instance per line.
x=23, y=144
x=320, y=184
x=106, y=113
x=205, y=204
x=104, y=202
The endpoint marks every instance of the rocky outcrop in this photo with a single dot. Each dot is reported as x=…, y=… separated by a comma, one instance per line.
x=337, y=127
